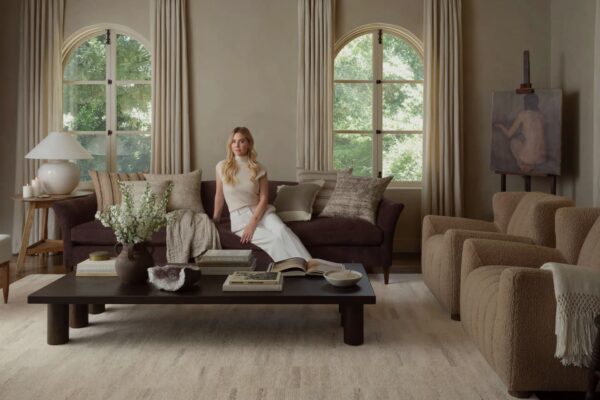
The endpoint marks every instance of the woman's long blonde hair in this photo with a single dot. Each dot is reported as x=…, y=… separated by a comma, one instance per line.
x=230, y=167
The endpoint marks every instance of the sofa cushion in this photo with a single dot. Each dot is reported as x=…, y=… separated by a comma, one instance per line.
x=186, y=192
x=295, y=202
x=356, y=197
x=107, y=188
x=94, y=233
x=330, y=178
x=318, y=232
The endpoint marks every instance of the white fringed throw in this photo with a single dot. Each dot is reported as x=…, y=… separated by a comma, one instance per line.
x=190, y=234
x=577, y=291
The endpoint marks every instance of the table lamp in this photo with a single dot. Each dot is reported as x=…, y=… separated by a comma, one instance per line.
x=59, y=175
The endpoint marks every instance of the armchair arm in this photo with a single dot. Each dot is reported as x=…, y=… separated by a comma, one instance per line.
x=572, y=227
x=437, y=225
x=523, y=333
x=451, y=253
x=481, y=252
x=387, y=218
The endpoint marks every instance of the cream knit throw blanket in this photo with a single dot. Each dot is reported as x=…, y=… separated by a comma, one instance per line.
x=190, y=234
x=577, y=291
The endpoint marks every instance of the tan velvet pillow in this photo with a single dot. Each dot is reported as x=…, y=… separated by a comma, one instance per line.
x=295, y=202
x=356, y=197
x=107, y=188
x=185, y=194
x=138, y=188
x=330, y=179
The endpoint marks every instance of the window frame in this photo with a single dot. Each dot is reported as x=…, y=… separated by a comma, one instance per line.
x=71, y=45
x=377, y=90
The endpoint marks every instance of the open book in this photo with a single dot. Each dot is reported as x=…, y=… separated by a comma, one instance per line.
x=297, y=266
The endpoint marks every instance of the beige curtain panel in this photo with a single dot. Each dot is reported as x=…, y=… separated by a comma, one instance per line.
x=170, y=93
x=443, y=164
x=315, y=74
x=40, y=93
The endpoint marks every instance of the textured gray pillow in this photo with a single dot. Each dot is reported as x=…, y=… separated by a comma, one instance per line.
x=185, y=194
x=356, y=197
x=330, y=178
x=295, y=202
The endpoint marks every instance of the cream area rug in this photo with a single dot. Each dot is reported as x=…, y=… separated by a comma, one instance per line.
x=412, y=350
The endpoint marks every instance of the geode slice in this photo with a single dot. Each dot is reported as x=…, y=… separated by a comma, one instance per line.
x=174, y=277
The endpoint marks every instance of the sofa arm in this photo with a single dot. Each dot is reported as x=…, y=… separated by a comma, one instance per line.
x=438, y=225
x=481, y=252
x=524, y=337
x=70, y=213
x=387, y=218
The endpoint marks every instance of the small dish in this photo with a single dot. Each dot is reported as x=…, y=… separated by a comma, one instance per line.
x=343, y=278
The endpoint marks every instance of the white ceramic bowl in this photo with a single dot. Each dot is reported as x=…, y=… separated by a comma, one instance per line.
x=343, y=278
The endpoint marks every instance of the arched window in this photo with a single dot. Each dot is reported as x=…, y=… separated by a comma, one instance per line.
x=107, y=100
x=378, y=104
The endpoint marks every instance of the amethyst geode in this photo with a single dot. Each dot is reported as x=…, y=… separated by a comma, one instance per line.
x=174, y=277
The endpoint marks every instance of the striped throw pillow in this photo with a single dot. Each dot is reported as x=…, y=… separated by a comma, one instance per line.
x=107, y=188
x=330, y=178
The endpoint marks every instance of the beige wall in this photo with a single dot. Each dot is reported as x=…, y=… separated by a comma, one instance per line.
x=9, y=48
x=495, y=33
x=243, y=60
x=572, y=69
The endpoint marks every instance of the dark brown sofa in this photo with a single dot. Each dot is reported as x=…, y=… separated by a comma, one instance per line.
x=335, y=239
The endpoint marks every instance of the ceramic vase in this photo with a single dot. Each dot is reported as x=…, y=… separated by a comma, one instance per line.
x=132, y=263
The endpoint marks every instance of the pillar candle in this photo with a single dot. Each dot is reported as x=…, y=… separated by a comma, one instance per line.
x=36, y=187
x=27, y=191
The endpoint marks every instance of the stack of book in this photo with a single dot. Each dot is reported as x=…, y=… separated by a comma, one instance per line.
x=253, y=281
x=96, y=268
x=224, y=262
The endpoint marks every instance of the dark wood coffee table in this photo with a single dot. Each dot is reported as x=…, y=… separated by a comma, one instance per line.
x=70, y=298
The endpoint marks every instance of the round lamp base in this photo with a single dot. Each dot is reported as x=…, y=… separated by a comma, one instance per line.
x=59, y=176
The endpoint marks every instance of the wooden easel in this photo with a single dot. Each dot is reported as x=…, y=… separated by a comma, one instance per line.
x=525, y=88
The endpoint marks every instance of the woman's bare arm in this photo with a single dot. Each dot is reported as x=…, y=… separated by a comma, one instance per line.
x=219, y=200
x=259, y=211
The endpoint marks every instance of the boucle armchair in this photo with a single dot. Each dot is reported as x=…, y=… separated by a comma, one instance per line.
x=518, y=217
x=508, y=305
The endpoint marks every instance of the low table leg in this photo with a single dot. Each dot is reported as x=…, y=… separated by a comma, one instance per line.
x=341, y=309
x=353, y=323
x=96, y=308
x=58, y=324
x=78, y=315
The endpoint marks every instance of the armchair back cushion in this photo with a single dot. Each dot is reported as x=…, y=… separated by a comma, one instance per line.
x=533, y=217
x=590, y=250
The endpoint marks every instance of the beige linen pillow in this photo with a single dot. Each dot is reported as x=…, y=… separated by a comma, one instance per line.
x=330, y=179
x=356, y=197
x=186, y=190
x=107, y=188
x=138, y=187
x=295, y=202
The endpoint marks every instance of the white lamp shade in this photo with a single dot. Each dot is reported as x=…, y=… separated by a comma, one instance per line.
x=59, y=146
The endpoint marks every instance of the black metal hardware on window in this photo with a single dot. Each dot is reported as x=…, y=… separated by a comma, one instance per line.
x=378, y=131
x=380, y=34
x=378, y=81
x=109, y=132
x=379, y=174
x=107, y=36
x=110, y=81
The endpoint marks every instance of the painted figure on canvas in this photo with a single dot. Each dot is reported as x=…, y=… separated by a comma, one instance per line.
x=526, y=133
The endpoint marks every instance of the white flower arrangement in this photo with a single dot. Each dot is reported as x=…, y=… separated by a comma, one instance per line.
x=135, y=223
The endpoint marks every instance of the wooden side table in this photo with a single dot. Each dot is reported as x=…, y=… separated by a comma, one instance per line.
x=594, y=365
x=44, y=245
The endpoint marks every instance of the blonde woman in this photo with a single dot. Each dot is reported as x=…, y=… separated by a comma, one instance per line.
x=242, y=183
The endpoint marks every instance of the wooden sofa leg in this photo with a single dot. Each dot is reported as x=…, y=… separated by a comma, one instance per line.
x=455, y=317
x=6, y=267
x=520, y=394
x=386, y=275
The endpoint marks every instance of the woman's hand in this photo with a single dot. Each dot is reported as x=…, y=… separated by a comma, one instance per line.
x=248, y=233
